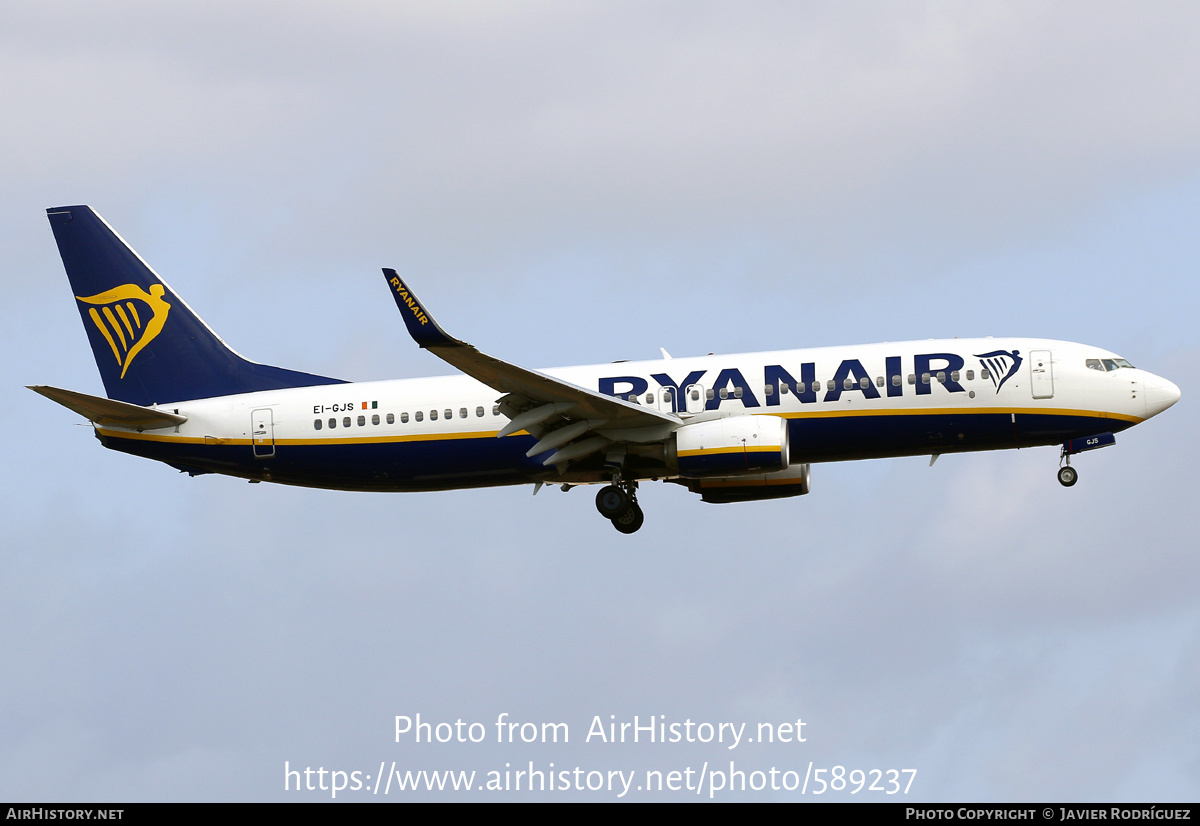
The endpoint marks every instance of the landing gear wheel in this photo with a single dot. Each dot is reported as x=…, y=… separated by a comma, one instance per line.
x=1067, y=476
x=630, y=520
x=612, y=502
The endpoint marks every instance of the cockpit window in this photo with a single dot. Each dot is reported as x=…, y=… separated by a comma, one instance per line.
x=1108, y=365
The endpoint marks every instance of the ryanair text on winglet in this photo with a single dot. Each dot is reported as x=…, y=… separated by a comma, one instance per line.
x=402, y=291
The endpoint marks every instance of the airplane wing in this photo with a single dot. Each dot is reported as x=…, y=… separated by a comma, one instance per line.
x=109, y=411
x=552, y=409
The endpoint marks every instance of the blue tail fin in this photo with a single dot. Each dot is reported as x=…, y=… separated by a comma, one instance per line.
x=149, y=345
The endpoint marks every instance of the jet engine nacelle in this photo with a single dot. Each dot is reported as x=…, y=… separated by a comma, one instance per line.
x=730, y=446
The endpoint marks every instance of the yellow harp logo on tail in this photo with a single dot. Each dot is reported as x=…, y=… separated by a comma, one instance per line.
x=125, y=327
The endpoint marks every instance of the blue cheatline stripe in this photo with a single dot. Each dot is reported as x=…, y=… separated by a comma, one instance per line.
x=429, y=461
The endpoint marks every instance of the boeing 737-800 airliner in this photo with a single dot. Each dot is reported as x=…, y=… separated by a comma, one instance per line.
x=731, y=428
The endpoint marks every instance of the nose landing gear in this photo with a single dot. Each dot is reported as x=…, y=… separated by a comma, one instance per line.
x=1067, y=475
x=618, y=504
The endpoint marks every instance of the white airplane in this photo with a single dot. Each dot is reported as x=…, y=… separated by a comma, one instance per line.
x=731, y=428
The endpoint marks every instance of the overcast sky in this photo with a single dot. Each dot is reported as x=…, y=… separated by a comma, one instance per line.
x=582, y=182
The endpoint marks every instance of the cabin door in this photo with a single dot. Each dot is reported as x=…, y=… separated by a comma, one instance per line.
x=1041, y=374
x=262, y=433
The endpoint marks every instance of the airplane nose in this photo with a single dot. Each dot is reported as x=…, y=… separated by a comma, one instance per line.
x=1160, y=394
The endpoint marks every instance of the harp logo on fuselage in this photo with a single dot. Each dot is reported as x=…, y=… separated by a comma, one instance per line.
x=998, y=362
x=125, y=327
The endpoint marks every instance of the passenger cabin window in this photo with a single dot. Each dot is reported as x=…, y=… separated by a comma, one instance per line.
x=479, y=412
x=985, y=374
x=462, y=413
x=879, y=381
x=374, y=418
x=924, y=378
x=495, y=410
x=769, y=390
x=954, y=376
x=864, y=382
x=433, y=415
x=346, y=422
x=896, y=381
x=737, y=392
x=316, y=424
x=941, y=376
x=449, y=414
x=912, y=378
x=419, y=415
x=332, y=424
x=970, y=375
x=362, y=421
x=391, y=418
x=829, y=385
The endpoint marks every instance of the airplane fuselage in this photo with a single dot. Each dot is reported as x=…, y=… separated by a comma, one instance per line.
x=840, y=403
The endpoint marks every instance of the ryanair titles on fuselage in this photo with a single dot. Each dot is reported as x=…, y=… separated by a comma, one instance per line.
x=851, y=376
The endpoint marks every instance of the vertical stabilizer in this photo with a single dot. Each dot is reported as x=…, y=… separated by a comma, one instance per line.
x=149, y=345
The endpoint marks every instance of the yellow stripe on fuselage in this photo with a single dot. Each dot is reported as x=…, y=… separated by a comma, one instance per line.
x=802, y=414
x=354, y=440
x=957, y=411
x=424, y=437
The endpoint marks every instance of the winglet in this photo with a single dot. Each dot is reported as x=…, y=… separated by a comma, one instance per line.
x=421, y=326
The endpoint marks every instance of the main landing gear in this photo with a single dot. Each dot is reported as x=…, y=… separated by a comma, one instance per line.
x=618, y=504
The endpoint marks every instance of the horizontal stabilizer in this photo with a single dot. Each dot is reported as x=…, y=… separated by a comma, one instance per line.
x=110, y=412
